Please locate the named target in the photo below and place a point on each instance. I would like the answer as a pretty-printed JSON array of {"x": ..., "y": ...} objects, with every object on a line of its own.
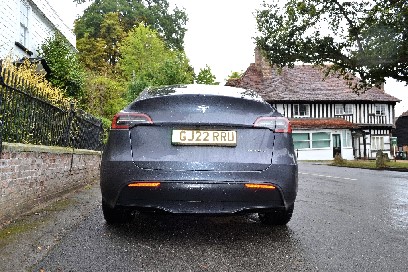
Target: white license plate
[{"x": 204, "y": 137}]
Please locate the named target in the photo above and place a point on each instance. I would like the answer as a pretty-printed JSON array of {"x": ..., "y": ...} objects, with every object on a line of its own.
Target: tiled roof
[
  {"x": 303, "y": 83},
  {"x": 310, "y": 123}
]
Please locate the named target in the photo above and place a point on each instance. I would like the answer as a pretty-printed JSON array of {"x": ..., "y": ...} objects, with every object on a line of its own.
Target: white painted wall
[
  {"x": 42, "y": 23},
  {"x": 9, "y": 26},
  {"x": 324, "y": 153},
  {"x": 51, "y": 14}
]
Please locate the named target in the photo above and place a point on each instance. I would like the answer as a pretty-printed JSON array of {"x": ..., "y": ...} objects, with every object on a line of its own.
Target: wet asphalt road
[{"x": 344, "y": 220}]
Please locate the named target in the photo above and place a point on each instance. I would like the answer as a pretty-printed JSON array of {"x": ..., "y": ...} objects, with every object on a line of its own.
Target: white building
[
  {"x": 25, "y": 24},
  {"x": 327, "y": 116}
]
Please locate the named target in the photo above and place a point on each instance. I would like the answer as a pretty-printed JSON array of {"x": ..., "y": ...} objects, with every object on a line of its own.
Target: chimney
[{"x": 262, "y": 64}]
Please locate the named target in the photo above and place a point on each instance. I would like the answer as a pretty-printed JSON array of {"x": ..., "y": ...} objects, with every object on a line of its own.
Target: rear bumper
[
  {"x": 200, "y": 197},
  {"x": 209, "y": 192}
]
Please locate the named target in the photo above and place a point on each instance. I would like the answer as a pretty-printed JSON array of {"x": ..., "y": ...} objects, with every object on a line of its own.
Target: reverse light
[
  {"x": 277, "y": 124},
  {"x": 123, "y": 120},
  {"x": 144, "y": 184}
]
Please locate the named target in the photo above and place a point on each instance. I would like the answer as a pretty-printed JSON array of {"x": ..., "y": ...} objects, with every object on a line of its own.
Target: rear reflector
[
  {"x": 144, "y": 184},
  {"x": 259, "y": 186},
  {"x": 277, "y": 124},
  {"x": 124, "y": 120}
]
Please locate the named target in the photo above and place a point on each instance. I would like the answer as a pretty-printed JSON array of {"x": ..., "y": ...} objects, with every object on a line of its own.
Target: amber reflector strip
[
  {"x": 144, "y": 184},
  {"x": 259, "y": 186}
]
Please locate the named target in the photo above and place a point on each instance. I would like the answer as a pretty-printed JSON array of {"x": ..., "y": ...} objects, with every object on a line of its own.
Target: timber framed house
[{"x": 327, "y": 117}]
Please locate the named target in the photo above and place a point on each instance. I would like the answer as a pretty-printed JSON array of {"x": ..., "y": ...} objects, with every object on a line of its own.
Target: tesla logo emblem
[{"x": 203, "y": 108}]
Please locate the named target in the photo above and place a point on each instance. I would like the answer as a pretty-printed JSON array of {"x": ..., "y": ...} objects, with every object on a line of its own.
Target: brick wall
[{"x": 30, "y": 175}]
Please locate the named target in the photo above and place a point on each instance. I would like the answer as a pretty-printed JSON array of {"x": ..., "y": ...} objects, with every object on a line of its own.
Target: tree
[
  {"x": 92, "y": 54},
  {"x": 175, "y": 69},
  {"x": 205, "y": 76},
  {"x": 102, "y": 53},
  {"x": 67, "y": 73},
  {"x": 103, "y": 96},
  {"x": 154, "y": 13},
  {"x": 147, "y": 61},
  {"x": 367, "y": 39}
]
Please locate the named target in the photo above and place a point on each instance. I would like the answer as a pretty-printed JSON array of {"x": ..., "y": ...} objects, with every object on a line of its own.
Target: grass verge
[{"x": 370, "y": 164}]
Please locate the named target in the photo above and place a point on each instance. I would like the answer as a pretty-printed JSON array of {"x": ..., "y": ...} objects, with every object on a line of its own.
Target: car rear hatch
[{"x": 210, "y": 133}]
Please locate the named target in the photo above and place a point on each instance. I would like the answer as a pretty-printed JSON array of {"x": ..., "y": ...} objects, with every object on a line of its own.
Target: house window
[
  {"x": 320, "y": 140},
  {"x": 302, "y": 110},
  {"x": 380, "y": 109},
  {"x": 347, "y": 138},
  {"x": 377, "y": 143},
  {"x": 342, "y": 109},
  {"x": 301, "y": 140},
  {"x": 24, "y": 9},
  {"x": 311, "y": 140}
]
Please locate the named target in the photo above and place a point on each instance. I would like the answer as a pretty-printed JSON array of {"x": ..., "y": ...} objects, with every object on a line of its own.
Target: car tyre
[
  {"x": 276, "y": 218},
  {"x": 116, "y": 215}
]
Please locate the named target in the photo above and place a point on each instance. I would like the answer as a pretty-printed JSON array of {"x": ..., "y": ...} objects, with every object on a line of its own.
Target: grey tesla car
[{"x": 199, "y": 149}]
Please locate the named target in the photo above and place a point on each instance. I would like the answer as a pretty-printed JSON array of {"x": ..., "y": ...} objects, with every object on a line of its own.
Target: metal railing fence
[{"x": 31, "y": 119}]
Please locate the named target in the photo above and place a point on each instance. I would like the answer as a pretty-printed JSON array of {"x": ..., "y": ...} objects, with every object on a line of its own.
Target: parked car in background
[
  {"x": 401, "y": 155},
  {"x": 199, "y": 149}
]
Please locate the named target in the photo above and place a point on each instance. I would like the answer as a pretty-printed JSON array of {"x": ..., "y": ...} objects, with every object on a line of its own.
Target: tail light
[
  {"x": 124, "y": 120},
  {"x": 277, "y": 124}
]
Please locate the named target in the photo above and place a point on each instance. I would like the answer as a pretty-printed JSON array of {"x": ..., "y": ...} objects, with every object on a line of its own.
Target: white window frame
[
  {"x": 24, "y": 23},
  {"x": 325, "y": 140},
  {"x": 339, "y": 109},
  {"x": 344, "y": 109},
  {"x": 298, "y": 113},
  {"x": 380, "y": 109},
  {"x": 310, "y": 140},
  {"x": 347, "y": 139},
  {"x": 349, "y": 109},
  {"x": 303, "y": 141},
  {"x": 377, "y": 142}
]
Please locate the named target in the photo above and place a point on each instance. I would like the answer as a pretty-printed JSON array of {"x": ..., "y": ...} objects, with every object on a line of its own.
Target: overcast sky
[{"x": 220, "y": 33}]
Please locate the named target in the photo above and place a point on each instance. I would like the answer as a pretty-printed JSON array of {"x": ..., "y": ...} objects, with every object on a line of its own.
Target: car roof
[{"x": 199, "y": 89}]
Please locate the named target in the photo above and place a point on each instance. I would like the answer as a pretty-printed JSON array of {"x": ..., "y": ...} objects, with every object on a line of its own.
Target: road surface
[{"x": 344, "y": 220}]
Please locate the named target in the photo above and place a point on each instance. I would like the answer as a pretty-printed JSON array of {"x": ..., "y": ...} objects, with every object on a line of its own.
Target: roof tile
[
  {"x": 310, "y": 123},
  {"x": 404, "y": 114},
  {"x": 303, "y": 83}
]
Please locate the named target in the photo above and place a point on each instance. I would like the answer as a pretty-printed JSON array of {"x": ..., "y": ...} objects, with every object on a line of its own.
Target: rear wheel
[
  {"x": 276, "y": 218},
  {"x": 116, "y": 215}
]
